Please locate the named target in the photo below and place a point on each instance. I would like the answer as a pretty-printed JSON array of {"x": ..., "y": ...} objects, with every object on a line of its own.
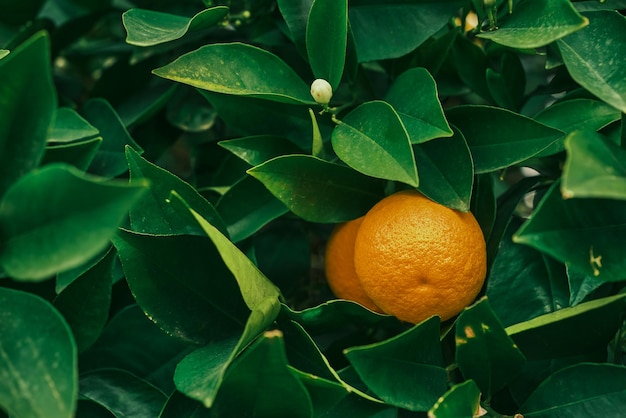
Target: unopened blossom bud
[{"x": 321, "y": 91}]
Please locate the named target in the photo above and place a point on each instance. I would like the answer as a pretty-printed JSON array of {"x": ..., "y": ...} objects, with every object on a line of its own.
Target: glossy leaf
[
  {"x": 200, "y": 374},
  {"x": 595, "y": 58},
  {"x": 507, "y": 86},
  {"x": 498, "y": 138},
  {"x": 179, "y": 405},
  {"x": 406, "y": 370},
  {"x": 259, "y": 383},
  {"x": 70, "y": 126},
  {"x": 85, "y": 302},
  {"x": 39, "y": 367},
  {"x": 325, "y": 394},
  {"x": 79, "y": 220},
  {"x": 536, "y": 24},
  {"x": 123, "y": 394},
  {"x": 573, "y": 231},
  {"x": 79, "y": 153},
  {"x": 326, "y": 39},
  {"x": 256, "y": 150},
  {"x": 296, "y": 14},
  {"x": 303, "y": 353},
  {"x": 27, "y": 105},
  {"x": 238, "y": 69},
  {"x": 484, "y": 352},
  {"x": 413, "y": 95},
  {"x": 446, "y": 171},
  {"x": 153, "y": 213},
  {"x": 568, "y": 392},
  {"x": 110, "y": 160},
  {"x": 461, "y": 400},
  {"x": 372, "y": 140},
  {"x": 595, "y": 167},
  {"x": 413, "y": 22},
  {"x": 583, "y": 329},
  {"x": 182, "y": 285},
  {"x": 149, "y": 27},
  {"x": 317, "y": 190},
  {"x": 248, "y": 206},
  {"x": 4, "y": 53}
]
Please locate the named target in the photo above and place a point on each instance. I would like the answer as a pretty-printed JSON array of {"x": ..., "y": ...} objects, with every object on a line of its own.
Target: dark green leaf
[
  {"x": 148, "y": 27},
  {"x": 110, "y": 160},
  {"x": 182, "y": 285},
  {"x": 462, "y": 400},
  {"x": 179, "y": 405},
  {"x": 484, "y": 352},
  {"x": 248, "y": 206},
  {"x": 123, "y": 394},
  {"x": 260, "y": 384},
  {"x": 595, "y": 167},
  {"x": 414, "y": 96},
  {"x": 38, "y": 367},
  {"x": 89, "y": 409},
  {"x": 317, "y": 190},
  {"x": 568, "y": 392},
  {"x": 47, "y": 229},
  {"x": 256, "y": 150},
  {"x": 69, "y": 126},
  {"x": 406, "y": 370},
  {"x": 238, "y": 69},
  {"x": 17, "y": 13},
  {"x": 296, "y": 14},
  {"x": 326, "y": 39},
  {"x": 303, "y": 353},
  {"x": 27, "y": 105},
  {"x": 79, "y": 153},
  {"x": 574, "y": 232},
  {"x": 325, "y": 394},
  {"x": 153, "y": 213},
  {"x": 537, "y": 23},
  {"x": 583, "y": 329},
  {"x": 596, "y": 58},
  {"x": 389, "y": 29},
  {"x": 85, "y": 302},
  {"x": 498, "y": 138},
  {"x": 508, "y": 84},
  {"x": 372, "y": 140},
  {"x": 446, "y": 171},
  {"x": 471, "y": 63}
]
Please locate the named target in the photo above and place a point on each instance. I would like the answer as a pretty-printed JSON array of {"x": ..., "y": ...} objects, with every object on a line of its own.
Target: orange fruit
[
  {"x": 339, "y": 264},
  {"x": 416, "y": 258}
]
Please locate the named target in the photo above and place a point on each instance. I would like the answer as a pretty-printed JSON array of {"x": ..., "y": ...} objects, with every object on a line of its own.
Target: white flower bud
[{"x": 321, "y": 91}]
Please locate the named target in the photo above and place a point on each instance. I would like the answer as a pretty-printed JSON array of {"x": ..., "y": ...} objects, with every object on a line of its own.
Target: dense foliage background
[{"x": 167, "y": 184}]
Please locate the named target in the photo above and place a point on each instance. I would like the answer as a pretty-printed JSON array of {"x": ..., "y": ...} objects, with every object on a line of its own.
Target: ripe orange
[
  {"x": 339, "y": 260},
  {"x": 416, "y": 258}
]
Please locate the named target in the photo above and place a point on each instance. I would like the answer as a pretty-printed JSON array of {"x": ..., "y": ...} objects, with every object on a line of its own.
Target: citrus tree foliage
[{"x": 167, "y": 185}]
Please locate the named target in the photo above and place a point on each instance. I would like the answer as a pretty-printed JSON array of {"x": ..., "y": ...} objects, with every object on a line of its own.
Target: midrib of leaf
[{"x": 424, "y": 121}]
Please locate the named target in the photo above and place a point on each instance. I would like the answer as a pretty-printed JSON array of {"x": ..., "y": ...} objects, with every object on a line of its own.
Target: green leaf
[
  {"x": 85, "y": 302},
  {"x": 462, "y": 400},
  {"x": 248, "y": 206},
  {"x": 413, "y": 95},
  {"x": 27, "y": 105},
  {"x": 325, "y": 394},
  {"x": 122, "y": 393},
  {"x": 79, "y": 153},
  {"x": 168, "y": 276},
  {"x": 574, "y": 232},
  {"x": 4, "y": 53},
  {"x": 317, "y": 144},
  {"x": 446, "y": 171},
  {"x": 568, "y": 392},
  {"x": 148, "y": 27},
  {"x": 406, "y": 370},
  {"x": 238, "y": 69},
  {"x": 507, "y": 86},
  {"x": 200, "y": 374},
  {"x": 389, "y": 29},
  {"x": 594, "y": 168},
  {"x": 38, "y": 367},
  {"x": 583, "y": 329},
  {"x": 153, "y": 213},
  {"x": 179, "y": 405},
  {"x": 537, "y": 23},
  {"x": 47, "y": 228},
  {"x": 326, "y": 39},
  {"x": 372, "y": 140},
  {"x": 259, "y": 383},
  {"x": 484, "y": 352},
  {"x": 596, "y": 58},
  {"x": 110, "y": 161},
  {"x": 69, "y": 126},
  {"x": 296, "y": 14},
  {"x": 316, "y": 190},
  {"x": 499, "y": 138},
  {"x": 257, "y": 149}
]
